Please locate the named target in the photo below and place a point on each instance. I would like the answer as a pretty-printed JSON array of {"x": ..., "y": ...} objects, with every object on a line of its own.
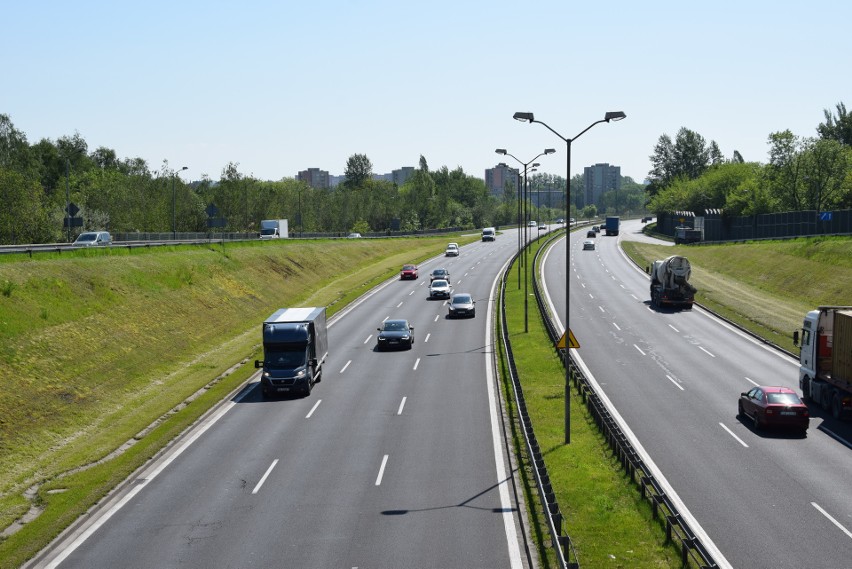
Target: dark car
[
  {"x": 596, "y": 228},
  {"x": 462, "y": 304},
  {"x": 408, "y": 272},
  {"x": 769, "y": 406},
  {"x": 395, "y": 334},
  {"x": 591, "y": 233},
  {"x": 440, "y": 274}
]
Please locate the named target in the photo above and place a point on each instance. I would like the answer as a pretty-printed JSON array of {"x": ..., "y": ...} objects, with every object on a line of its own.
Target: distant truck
[
  {"x": 274, "y": 229},
  {"x": 670, "y": 282},
  {"x": 295, "y": 346},
  {"x": 686, "y": 234},
  {"x": 489, "y": 234},
  {"x": 611, "y": 225},
  {"x": 825, "y": 358}
]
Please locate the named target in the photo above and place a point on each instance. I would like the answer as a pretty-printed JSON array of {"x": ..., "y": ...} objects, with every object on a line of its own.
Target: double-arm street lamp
[
  {"x": 174, "y": 203},
  {"x": 524, "y": 228},
  {"x": 528, "y": 117}
]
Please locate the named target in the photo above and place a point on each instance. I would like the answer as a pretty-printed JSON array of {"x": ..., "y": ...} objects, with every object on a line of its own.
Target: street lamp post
[
  {"x": 528, "y": 117},
  {"x": 174, "y": 203},
  {"x": 525, "y": 226}
]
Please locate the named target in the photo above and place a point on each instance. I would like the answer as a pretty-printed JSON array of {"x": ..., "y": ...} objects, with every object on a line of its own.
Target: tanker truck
[
  {"x": 825, "y": 358},
  {"x": 670, "y": 282}
]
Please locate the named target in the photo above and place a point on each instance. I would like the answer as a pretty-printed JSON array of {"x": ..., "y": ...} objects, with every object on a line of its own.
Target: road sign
[
  {"x": 572, "y": 341},
  {"x": 825, "y": 216},
  {"x": 73, "y": 222},
  {"x": 72, "y": 210}
]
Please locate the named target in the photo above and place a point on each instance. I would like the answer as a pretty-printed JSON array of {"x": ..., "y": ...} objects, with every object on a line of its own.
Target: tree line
[{"x": 801, "y": 174}]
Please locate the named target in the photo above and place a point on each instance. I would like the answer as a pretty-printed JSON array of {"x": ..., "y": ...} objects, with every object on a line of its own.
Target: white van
[
  {"x": 489, "y": 234},
  {"x": 93, "y": 239}
]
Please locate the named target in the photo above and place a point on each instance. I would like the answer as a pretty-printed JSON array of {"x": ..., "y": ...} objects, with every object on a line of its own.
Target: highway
[
  {"x": 763, "y": 499},
  {"x": 396, "y": 459}
]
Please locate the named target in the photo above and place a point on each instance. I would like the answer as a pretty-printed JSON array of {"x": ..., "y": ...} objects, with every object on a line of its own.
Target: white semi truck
[{"x": 825, "y": 358}]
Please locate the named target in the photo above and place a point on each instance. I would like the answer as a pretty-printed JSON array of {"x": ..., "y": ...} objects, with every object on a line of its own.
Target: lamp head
[
  {"x": 549, "y": 150},
  {"x": 501, "y": 151},
  {"x": 536, "y": 164},
  {"x": 523, "y": 117},
  {"x": 614, "y": 116}
]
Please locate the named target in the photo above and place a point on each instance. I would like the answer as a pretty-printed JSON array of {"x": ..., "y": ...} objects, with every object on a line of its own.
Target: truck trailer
[
  {"x": 670, "y": 282},
  {"x": 295, "y": 346},
  {"x": 274, "y": 229},
  {"x": 611, "y": 224},
  {"x": 825, "y": 359}
]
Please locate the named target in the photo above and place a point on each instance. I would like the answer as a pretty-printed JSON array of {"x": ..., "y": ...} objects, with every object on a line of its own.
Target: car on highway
[
  {"x": 560, "y": 220},
  {"x": 439, "y": 274},
  {"x": 542, "y": 227},
  {"x": 452, "y": 250},
  {"x": 591, "y": 233},
  {"x": 440, "y": 288},
  {"x": 596, "y": 228},
  {"x": 354, "y": 236},
  {"x": 774, "y": 406},
  {"x": 532, "y": 224},
  {"x": 408, "y": 272},
  {"x": 93, "y": 239},
  {"x": 588, "y": 245},
  {"x": 396, "y": 333},
  {"x": 462, "y": 304}
]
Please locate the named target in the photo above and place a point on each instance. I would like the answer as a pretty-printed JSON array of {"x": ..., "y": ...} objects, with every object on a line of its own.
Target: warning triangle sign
[{"x": 572, "y": 341}]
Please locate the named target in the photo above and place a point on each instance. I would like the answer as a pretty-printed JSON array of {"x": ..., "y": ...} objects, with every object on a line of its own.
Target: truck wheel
[
  {"x": 836, "y": 406},
  {"x": 806, "y": 389}
]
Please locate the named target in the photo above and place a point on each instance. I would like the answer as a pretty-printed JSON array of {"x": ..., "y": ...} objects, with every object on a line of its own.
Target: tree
[
  {"x": 689, "y": 156},
  {"x": 837, "y": 128},
  {"x": 358, "y": 170}
]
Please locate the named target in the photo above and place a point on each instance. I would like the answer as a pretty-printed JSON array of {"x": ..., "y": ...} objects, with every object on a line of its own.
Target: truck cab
[{"x": 295, "y": 345}]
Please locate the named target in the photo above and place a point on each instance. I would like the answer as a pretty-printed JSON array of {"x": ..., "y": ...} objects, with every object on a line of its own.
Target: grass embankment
[
  {"x": 101, "y": 350},
  {"x": 766, "y": 287}
]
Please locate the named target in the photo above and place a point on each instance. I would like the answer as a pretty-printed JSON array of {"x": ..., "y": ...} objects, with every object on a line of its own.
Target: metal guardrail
[
  {"x": 560, "y": 540},
  {"x": 692, "y": 550}
]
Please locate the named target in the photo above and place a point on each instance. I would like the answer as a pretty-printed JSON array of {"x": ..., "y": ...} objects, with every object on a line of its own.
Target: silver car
[
  {"x": 439, "y": 288},
  {"x": 93, "y": 239}
]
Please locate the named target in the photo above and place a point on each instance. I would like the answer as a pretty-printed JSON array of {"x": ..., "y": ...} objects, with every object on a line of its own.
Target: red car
[
  {"x": 774, "y": 406},
  {"x": 408, "y": 272}
]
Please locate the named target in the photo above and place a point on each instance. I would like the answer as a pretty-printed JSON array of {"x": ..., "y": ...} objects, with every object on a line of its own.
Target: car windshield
[
  {"x": 395, "y": 325},
  {"x": 439, "y": 272},
  {"x": 461, "y": 299},
  {"x": 783, "y": 399},
  {"x": 87, "y": 237},
  {"x": 408, "y": 267},
  {"x": 438, "y": 283},
  {"x": 283, "y": 358}
]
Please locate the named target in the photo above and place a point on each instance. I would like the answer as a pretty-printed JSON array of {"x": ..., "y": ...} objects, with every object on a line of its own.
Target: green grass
[{"x": 95, "y": 346}]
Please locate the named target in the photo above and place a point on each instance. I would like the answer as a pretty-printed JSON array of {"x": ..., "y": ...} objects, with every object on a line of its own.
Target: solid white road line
[{"x": 263, "y": 478}]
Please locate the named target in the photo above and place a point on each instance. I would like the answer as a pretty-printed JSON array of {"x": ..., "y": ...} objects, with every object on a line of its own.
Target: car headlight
[
  {"x": 301, "y": 373},
  {"x": 406, "y": 337},
  {"x": 266, "y": 374}
]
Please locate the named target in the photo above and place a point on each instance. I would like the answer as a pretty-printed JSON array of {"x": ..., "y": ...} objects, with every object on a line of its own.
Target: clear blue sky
[{"x": 281, "y": 86}]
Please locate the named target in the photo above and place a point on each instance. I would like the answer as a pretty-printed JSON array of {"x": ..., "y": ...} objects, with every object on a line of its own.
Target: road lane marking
[
  {"x": 314, "y": 408},
  {"x": 673, "y": 328},
  {"x": 346, "y": 366},
  {"x": 417, "y": 363},
  {"x": 401, "y": 405},
  {"x": 617, "y": 327},
  {"x": 832, "y": 520},
  {"x": 263, "y": 478},
  {"x": 601, "y": 308},
  {"x": 398, "y": 305},
  {"x": 678, "y": 385},
  {"x": 370, "y": 337},
  {"x": 381, "y": 470},
  {"x": 640, "y": 350},
  {"x": 706, "y": 352},
  {"x": 730, "y": 432},
  {"x": 427, "y": 337},
  {"x": 410, "y": 293},
  {"x": 753, "y": 382},
  {"x": 436, "y": 317}
]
